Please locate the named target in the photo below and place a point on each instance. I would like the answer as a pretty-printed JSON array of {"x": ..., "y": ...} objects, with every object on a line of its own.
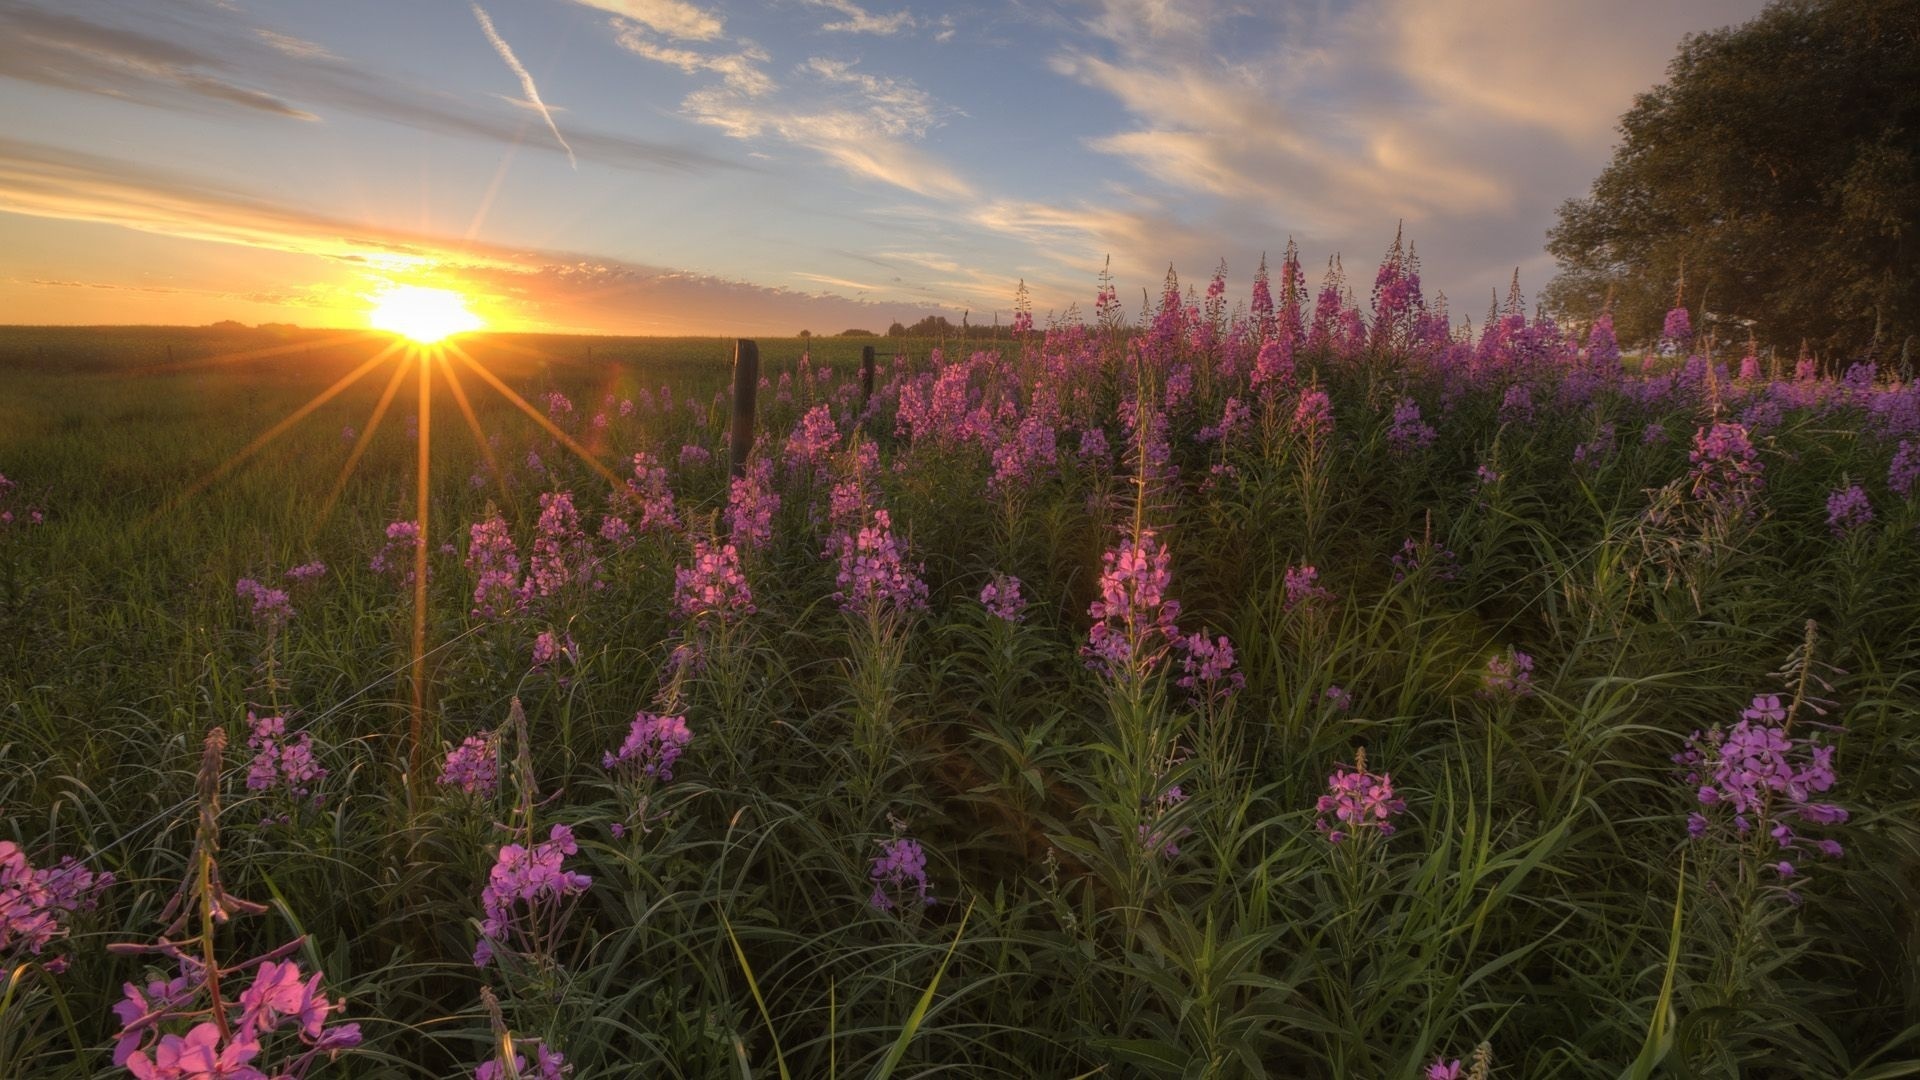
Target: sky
[{"x": 723, "y": 167}]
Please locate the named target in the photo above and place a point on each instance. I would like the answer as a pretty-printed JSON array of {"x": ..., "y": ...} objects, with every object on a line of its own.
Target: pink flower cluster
[
  {"x": 270, "y": 608},
  {"x": 649, "y": 493},
  {"x": 1848, "y": 509},
  {"x": 751, "y": 504},
  {"x": 1207, "y": 669},
  {"x": 1903, "y": 472},
  {"x": 528, "y": 897},
  {"x": 1409, "y": 432},
  {"x": 1304, "y": 591},
  {"x": 1134, "y": 621},
  {"x": 874, "y": 574},
  {"x": 473, "y": 767},
  {"x": 550, "y": 648},
  {"x": 813, "y": 440},
  {"x": 395, "y": 559},
  {"x": 1726, "y": 468},
  {"x": 1357, "y": 802},
  {"x": 495, "y": 565},
  {"x": 36, "y": 904},
  {"x": 1509, "y": 675},
  {"x": 307, "y": 573},
  {"x": 1002, "y": 598},
  {"x": 653, "y": 743},
  {"x": 714, "y": 584},
  {"x": 1313, "y": 416},
  {"x": 281, "y": 763},
  {"x": 1760, "y": 777},
  {"x": 279, "y": 995},
  {"x": 898, "y": 871},
  {"x": 562, "y": 556}
]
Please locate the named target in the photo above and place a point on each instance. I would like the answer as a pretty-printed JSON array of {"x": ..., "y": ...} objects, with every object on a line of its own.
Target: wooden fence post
[
  {"x": 866, "y": 377},
  {"x": 746, "y": 386}
]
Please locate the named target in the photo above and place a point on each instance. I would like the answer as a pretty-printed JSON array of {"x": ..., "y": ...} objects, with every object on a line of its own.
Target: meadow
[{"x": 1262, "y": 686}]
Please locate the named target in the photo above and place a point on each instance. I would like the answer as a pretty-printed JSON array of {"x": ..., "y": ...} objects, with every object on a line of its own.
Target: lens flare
[{"x": 423, "y": 314}]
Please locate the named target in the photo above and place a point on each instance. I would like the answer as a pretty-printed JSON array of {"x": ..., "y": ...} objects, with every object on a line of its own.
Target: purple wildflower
[
  {"x": 1904, "y": 471},
  {"x": 307, "y": 572},
  {"x": 1848, "y": 509},
  {"x": 550, "y": 648},
  {"x": 495, "y": 565},
  {"x": 714, "y": 584},
  {"x": 1726, "y": 469},
  {"x": 270, "y": 608},
  {"x": 1338, "y": 698},
  {"x": 1304, "y": 590},
  {"x": 653, "y": 743},
  {"x": 649, "y": 492},
  {"x": 873, "y": 572},
  {"x": 473, "y": 767},
  {"x": 751, "y": 504},
  {"x": 1313, "y": 417},
  {"x": 395, "y": 559},
  {"x": 1207, "y": 668},
  {"x": 35, "y": 904},
  {"x": 1133, "y": 618},
  {"x": 1759, "y": 777},
  {"x": 528, "y": 897},
  {"x": 900, "y": 867},
  {"x": 1357, "y": 802},
  {"x": 1003, "y": 599},
  {"x": 281, "y": 762},
  {"x": 1509, "y": 675},
  {"x": 1409, "y": 432},
  {"x": 562, "y": 555}
]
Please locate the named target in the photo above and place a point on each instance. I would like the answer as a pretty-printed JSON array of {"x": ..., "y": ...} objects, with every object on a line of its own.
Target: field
[{"x": 1297, "y": 693}]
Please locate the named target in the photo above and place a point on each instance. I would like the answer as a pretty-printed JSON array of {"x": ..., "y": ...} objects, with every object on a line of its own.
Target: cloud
[
  {"x": 865, "y": 124},
  {"x": 739, "y": 71},
  {"x": 543, "y": 289},
  {"x": 674, "y": 18},
  {"x": 298, "y": 48},
  {"x": 214, "y": 74},
  {"x": 1336, "y": 122},
  {"x": 71, "y": 53},
  {"x": 526, "y": 80},
  {"x": 858, "y": 20}
]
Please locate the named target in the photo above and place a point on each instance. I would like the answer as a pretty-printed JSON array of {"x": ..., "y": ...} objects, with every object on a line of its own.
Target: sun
[{"x": 423, "y": 314}]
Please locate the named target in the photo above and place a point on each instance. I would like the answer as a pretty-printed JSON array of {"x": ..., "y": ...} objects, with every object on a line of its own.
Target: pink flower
[
  {"x": 1001, "y": 596},
  {"x": 1357, "y": 801},
  {"x": 1133, "y": 618}
]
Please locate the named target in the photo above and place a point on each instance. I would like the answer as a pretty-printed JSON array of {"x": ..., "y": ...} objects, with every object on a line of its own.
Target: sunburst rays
[{"x": 421, "y": 359}]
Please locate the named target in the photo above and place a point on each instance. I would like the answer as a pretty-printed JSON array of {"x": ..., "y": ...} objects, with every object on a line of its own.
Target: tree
[{"x": 1776, "y": 172}]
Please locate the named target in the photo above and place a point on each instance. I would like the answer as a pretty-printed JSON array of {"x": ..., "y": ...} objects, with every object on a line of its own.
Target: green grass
[{"x": 1541, "y": 894}]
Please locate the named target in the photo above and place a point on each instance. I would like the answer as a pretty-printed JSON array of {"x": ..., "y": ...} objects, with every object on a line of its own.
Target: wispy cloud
[
  {"x": 526, "y": 79},
  {"x": 739, "y": 71},
  {"x": 230, "y": 69},
  {"x": 71, "y": 53},
  {"x": 298, "y": 48},
  {"x": 674, "y": 18},
  {"x": 865, "y": 124},
  {"x": 858, "y": 20}
]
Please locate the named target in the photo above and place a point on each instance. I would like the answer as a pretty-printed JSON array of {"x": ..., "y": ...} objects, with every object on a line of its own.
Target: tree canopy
[{"x": 1776, "y": 172}]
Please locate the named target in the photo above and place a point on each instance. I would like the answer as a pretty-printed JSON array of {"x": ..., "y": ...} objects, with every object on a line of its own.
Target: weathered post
[
  {"x": 746, "y": 385},
  {"x": 866, "y": 377}
]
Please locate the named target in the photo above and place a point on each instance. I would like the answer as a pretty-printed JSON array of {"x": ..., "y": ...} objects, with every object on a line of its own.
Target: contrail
[{"x": 526, "y": 81}]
